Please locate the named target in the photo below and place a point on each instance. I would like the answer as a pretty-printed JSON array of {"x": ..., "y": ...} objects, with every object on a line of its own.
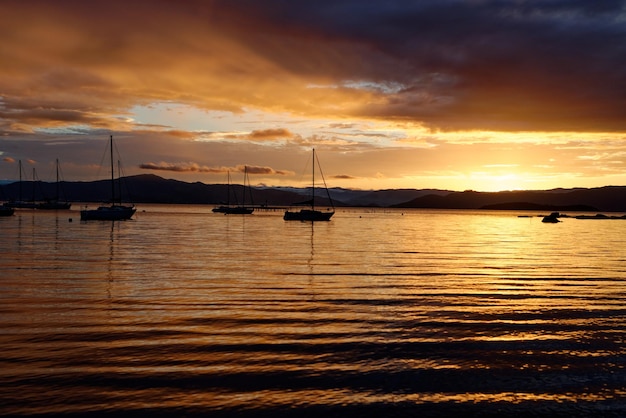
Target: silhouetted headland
[{"x": 149, "y": 188}]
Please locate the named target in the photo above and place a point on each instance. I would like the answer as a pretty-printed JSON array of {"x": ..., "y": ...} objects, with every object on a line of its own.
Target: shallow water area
[{"x": 183, "y": 312}]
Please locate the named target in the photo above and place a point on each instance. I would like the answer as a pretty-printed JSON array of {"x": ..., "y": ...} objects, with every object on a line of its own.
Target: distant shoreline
[{"x": 150, "y": 188}]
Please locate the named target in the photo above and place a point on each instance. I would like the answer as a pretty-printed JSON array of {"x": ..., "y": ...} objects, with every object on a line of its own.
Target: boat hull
[
  {"x": 233, "y": 210},
  {"x": 21, "y": 205},
  {"x": 6, "y": 211},
  {"x": 108, "y": 213},
  {"x": 52, "y": 205},
  {"x": 308, "y": 215}
]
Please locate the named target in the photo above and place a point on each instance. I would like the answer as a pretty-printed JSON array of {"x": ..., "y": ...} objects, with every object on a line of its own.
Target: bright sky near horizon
[{"x": 477, "y": 94}]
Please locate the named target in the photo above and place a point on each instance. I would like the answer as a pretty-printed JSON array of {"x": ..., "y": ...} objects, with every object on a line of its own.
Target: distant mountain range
[{"x": 149, "y": 188}]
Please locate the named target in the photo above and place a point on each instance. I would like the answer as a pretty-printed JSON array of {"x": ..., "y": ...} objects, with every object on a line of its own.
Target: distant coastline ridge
[{"x": 150, "y": 188}]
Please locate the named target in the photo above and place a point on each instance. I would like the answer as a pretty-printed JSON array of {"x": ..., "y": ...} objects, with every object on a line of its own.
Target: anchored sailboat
[
  {"x": 55, "y": 203},
  {"x": 312, "y": 214},
  {"x": 114, "y": 212},
  {"x": 20, "y": 203},
  {"x": 237, "y": 209}
]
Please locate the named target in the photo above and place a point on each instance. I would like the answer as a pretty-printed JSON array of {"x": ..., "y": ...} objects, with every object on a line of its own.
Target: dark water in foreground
[{"x": 384, "y": 313}]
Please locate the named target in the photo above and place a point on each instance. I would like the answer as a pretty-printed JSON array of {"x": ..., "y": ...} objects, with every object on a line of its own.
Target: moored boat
[
  {"x": 108, "y": 213},
  {"x": 21, "y": 203},
  {"x": 237, "y": 209},
  {"x": 552, "y": 218},
  {"x": 6, "y": 211},
  {"x": 55, "y": 203},
  {"x": 312, "y": 214},
  {"x": 116, "y": 211}
]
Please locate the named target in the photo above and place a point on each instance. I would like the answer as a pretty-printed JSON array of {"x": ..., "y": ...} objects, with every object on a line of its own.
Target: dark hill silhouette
[
  {"x": 610, "y": 198},
  {"x": 150, "y": 188},
  {"x": 540, "y": 207}
]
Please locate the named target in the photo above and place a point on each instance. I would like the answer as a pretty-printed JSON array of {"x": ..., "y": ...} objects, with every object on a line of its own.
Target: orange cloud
[
  {"x": 69, "y": 62},
  {"x": 270, "y": 134},
  {"x": 251, "y": 169},
  {"x": 196, "y": 168},
  {"x": 8, "y": 159},
  {"x": 182, "y": 167}
]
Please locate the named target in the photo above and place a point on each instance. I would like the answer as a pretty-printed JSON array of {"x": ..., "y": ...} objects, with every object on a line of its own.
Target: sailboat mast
[
  {"x": 245, "y": 175},
  {"x": 313, "y": 185},
  {"x": 57, "y": 185},
  {"x": 228, "y": 189},
  {"x": 246, "y": 178},
  {"x": 112, "y": 174},
  {"x": 20, "y": 183},
  {"x": 34, "y": 175}
]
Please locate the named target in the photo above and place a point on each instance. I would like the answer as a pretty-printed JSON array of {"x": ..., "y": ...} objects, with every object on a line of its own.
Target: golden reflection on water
[{"x": 247, "y": 313}]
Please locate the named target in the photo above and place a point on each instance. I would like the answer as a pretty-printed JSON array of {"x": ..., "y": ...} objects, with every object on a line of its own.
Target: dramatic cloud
[
  {"x": 196, "y": 168},
  {"x": 219, "y": 82},
  {"x": 181, "y": 167},
  {"x": 447, "y": 64},
  {"x": 263, "y": 135},
  {"x": 262, "y": 170},
  {"x": 454, "y": 64},
  {"x": 271, "y": 134}
]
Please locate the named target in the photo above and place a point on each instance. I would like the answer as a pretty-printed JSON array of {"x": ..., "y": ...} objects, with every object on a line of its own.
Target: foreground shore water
[{"x": 182, "y": 312}]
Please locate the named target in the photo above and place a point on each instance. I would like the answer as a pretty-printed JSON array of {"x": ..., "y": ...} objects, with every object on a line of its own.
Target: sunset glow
[{"x": 398, "y": 94}]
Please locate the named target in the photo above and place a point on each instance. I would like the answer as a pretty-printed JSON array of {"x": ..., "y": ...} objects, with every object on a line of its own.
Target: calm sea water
[{"x": 182, "y": 312}]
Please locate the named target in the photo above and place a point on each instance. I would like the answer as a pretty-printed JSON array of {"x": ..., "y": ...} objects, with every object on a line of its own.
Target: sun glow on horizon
[{"x": 359, "y": 153}]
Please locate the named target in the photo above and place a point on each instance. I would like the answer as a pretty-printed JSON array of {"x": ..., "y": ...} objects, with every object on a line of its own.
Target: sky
[{"x": 485, "y": 95}]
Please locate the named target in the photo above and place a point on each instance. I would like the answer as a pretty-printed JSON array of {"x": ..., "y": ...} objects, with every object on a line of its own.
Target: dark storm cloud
[
  {"x": 466, "y": 64},
  {"x": 481, "y": 64}
]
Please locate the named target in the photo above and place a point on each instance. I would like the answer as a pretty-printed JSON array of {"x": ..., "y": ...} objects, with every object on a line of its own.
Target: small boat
[
  {"x": 108, "y": 213},
  {"x": 6, "y": 211},
  {"x": 20, "y": 203},
  {"x": 308, "y": 215},
  {"x": 114, "y": 212},
  {"x": 236, "y": 210},
  {"x": 55, "y": 203},
  {"x": 312, "y": 215},
  {"x": 552, "y": 218}
]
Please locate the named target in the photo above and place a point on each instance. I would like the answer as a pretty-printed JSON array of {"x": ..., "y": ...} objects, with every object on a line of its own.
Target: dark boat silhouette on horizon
[
  {"x": 55, "y": 203},
  {"x": 116, "y": 211},
  {"x": 242, "y": 209},
  {"x": 312, "y": 215}
]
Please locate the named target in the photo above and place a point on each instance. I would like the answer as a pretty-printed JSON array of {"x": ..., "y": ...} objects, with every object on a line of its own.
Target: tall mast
[
  {"x": 112, "y": 174},
  {"x": 313, "y": 185},
  {"x": 57, "y": 186},
  {"x": 20, "y": 183},
  {"x": 33, "y": 185}
]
